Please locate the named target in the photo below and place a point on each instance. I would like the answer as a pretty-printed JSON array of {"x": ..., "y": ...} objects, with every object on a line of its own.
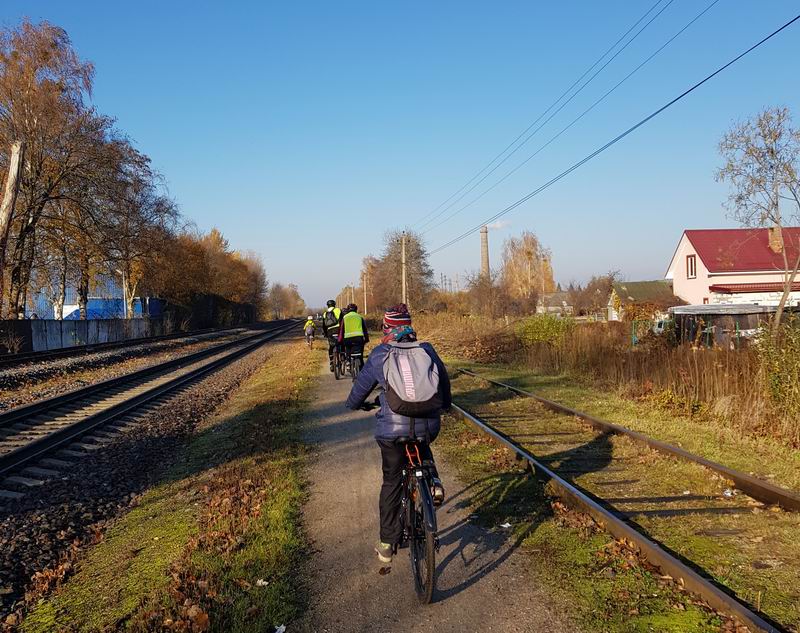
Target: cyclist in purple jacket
[{"x": 391, "y": 426}]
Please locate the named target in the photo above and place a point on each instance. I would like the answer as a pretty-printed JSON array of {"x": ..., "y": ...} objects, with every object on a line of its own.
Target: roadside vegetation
[
  {"x": 218, "y": 544},
  {"x": 754, "y": 390}
]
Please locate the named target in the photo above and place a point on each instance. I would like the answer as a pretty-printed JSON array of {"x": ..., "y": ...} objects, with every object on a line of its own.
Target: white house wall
[{"x": 760, "y": 298}]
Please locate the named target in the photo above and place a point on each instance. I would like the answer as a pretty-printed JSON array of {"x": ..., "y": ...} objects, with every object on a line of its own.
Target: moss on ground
[
  {"x": 606, "y": 587},
  {"x": 218, "y": 544}
]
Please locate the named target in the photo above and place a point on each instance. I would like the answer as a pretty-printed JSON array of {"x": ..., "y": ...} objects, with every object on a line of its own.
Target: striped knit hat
[{"x": 396, "y": 316}]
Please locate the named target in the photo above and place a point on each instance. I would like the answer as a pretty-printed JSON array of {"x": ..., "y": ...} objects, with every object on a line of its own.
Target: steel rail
[
  {"x": 21, "y": 413},
  {"x": 11, "y": 360},
  {"x": 17, "y": 458},
  {"x": 754, "y": 486},
  {"x": 617, "y": 527}
]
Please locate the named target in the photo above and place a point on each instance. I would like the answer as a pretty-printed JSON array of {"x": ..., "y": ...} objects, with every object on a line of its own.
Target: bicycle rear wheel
[
  {"x": 337, "y": 365},
  {"x": 355, "y": 366},
  {"x": 422, "y": 549}
]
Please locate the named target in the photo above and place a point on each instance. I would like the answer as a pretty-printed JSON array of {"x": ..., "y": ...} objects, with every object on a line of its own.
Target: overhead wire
[
  {"x": 546, "y": 121},
  {"x": 574, "y": 121},
  {"x": 552, "y": 105},
  {"x": 617, "y": 138}
]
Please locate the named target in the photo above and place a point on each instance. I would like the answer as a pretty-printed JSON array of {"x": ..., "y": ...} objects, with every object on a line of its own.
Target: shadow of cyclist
[{"x": 476, "y": 544}]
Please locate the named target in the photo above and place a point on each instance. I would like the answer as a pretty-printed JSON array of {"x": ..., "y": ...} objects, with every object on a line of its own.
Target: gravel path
[{"x": 484, "y": 584}]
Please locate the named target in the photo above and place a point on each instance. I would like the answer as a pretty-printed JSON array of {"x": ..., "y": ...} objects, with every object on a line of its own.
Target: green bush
[
  {"x": 780, "y": 368},
  {"x": 544, "y": 328}
]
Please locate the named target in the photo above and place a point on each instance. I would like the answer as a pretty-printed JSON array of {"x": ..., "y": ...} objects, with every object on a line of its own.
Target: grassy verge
[
  {"x": 743, "y": 544},
  {"x": 218, "y": 544},
  {"x": 762, "y": 456},
  {"x": 606, "y": 586}
]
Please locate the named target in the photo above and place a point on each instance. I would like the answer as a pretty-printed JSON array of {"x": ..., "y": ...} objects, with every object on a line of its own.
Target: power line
[
  {"x": 552, "y": 105},
  {"x": 616, "y": 139},
  {"x": 491, "y": 169},
  {"x": 574, "y": 121}
]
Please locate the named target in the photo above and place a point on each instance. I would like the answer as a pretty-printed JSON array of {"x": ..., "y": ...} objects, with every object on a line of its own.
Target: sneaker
[
  {"x": 384, "y": 552},
  {"x": 437, "y": 490},
  {"x": 331, "y": 365}
]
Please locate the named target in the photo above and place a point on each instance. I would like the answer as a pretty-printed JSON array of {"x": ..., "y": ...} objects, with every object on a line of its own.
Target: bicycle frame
[{"x": 417, "y": 480}]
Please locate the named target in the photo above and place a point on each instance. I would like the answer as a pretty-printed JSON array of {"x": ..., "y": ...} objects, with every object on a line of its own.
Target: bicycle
[
  {"x": 339, "y": 362},
  {"x": 419, "y": 530},
  {"x": 355, "y": 363},
  {"x": 418, "y": 515}
]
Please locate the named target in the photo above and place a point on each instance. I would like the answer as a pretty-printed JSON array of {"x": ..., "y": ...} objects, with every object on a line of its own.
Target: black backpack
[{"x": 330, "y": 320}]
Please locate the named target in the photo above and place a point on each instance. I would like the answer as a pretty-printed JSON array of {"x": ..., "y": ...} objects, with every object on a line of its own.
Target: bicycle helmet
[
  {"x": 331, "y": 303},
  {"x": 310, "y": 318},
  {"x": 352, "y": 307}
]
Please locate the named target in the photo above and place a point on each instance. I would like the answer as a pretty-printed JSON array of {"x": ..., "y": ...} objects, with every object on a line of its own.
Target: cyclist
[
  {"x": 330, "y": 327},
  {"x": 353, "y": 334},
  {"x": 310, "y": 328},
  {"x": 390, "y": 426}
]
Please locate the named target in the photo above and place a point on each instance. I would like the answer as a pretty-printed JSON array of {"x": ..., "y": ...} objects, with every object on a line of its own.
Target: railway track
[
  {"x": 722, "y": 534},
  {"x": 22, "y": 358},
  {"x": 39, "y": 439}
]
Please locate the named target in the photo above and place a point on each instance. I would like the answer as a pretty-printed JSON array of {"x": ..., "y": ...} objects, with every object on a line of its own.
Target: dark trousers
[
  {"x": 354, "y": 346},
  {"x": 332, "y": 343},
  {"x": 394, "y": 458}
]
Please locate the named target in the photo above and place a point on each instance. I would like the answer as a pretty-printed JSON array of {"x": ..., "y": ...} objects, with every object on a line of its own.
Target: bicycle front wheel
[{"x": 422, "y": 549}]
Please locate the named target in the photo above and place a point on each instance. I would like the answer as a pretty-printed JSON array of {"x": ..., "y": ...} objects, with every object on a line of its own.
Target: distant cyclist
[
  {"x": 330, "y": 327},
  {"x": 353, "y": 334},
  {"x": 310, "y": 328},
  {"x": 420, "y": 365}
]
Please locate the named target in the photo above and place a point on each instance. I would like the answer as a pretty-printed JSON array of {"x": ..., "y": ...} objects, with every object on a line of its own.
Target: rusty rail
[
  {"x": 617, "y": 527},
  {"x": 754, "y": 486}
]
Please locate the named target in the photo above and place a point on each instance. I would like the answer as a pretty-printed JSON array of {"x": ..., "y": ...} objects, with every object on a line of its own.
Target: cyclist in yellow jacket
[
  {"x": 309, "y": 329},
  {"x": 353, "y": 334}
]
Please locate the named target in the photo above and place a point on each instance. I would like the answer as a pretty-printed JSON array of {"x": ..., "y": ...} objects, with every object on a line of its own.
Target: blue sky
[{"x": 305, "y": 130}]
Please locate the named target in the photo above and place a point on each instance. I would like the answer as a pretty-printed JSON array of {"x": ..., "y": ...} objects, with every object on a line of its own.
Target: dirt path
[{"x": 483, "y": 584}]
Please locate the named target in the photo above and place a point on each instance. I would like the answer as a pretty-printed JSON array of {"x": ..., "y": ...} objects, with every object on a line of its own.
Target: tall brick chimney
[
  {"x": 485, "y": 252},
  {"x": 775, "y": 239}
]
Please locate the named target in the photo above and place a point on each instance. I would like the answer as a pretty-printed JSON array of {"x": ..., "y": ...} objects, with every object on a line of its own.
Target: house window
[
  {"x": 691, "y": 266},
  {"x": 705, "y": 300}
]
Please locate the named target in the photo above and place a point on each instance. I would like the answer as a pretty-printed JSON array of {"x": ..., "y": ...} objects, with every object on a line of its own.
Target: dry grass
[{"x": 748, "y": 388}]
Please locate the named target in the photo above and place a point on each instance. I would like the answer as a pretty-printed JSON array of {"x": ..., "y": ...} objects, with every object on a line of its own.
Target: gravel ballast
[{"x": 42, "y": 534}]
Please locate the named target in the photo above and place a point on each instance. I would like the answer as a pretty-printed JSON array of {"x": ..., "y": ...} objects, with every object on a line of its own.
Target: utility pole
[
  {"x": 403, "y": 249},
  {"x": 364, "y": 285}
]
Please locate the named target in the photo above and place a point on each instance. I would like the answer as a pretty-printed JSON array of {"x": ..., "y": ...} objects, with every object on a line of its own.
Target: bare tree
[{"x": 761, "y": 164}]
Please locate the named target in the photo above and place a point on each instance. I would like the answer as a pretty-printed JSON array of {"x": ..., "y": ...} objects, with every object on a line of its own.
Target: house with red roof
[{"x": 734, "y": 265}]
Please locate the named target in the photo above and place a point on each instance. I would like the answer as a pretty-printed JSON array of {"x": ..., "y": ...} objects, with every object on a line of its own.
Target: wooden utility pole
[
  {"x": 364, "y": 275},
  {"x": 403, "y": 249},
  {"x": 7, "y": 206}
]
